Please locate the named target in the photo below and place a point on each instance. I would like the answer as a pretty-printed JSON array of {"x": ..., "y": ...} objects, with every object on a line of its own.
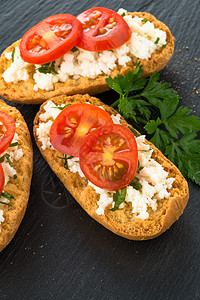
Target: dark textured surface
[{"x": 61, "y": 253}]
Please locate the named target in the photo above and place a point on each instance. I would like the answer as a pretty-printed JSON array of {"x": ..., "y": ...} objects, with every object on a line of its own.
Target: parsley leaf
[
  {"x": 135, "y": 183},
  {"x": 60, "y": 107},
  {"x": 157, "y": 40},
  {"x": 47, "y": 68},
  {"x": 155, "y": 104},
  {"x": 14, "y": 144},
  {"x": 13, "y": 54},
  {"x": 7, "y": 156},
  {"x": 119, "y": 198},
  {"x": 144, "y": 20},
  {"x": 66, "y": 162}
]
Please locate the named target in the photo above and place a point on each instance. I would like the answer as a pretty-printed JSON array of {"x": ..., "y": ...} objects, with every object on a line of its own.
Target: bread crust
[
  {"x": 19, "y": 187},
  {"x": 23, "y": 91},
  {"x": 122, "y": 222}
]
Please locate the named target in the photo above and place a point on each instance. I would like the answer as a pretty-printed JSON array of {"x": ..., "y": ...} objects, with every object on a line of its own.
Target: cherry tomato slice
[
  {"x": 109, "y": 157},
  {"x": 103, "y": 29},
  {"x": 73, "y": 124},
  {"x": 50, "y": 39},
  {"x": 7, "y": 130},
  {"x": 2, "y": 179}
]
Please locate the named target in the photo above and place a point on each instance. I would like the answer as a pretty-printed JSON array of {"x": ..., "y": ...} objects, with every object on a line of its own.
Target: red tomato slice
[
  {"x": 50, "y": 39},
  {"x": 109, "y": 157},
  {"x": 103, "y": 29},
  {"x": 2, "y": 179},
  {"x": 73, "y": 124},
  {"x": 7, "y": 130}
]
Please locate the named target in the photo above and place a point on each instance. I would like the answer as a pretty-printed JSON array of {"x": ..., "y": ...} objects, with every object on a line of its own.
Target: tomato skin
[
  {"x": 94, "y": 38},
  {"x": 73, "y": 124},
  {"x": 2, "y": 179},
  {"x": 51, "y": 35},
  {"x": 109, "y": 157},
  {"x": 6, "y": 137}
]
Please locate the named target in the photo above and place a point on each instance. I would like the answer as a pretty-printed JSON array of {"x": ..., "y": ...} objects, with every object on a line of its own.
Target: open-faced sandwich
[
  {"x": 16, "y": 164},
  {"x": 117, "y": 176},
  {"x": 67, "y": 55}
]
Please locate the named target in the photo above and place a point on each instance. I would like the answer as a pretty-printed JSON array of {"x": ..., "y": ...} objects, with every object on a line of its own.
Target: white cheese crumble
[
  {"x": 153, "y": 178},
  {"x": 15, "y": 153},
  {"x": 91, "y": 64}
]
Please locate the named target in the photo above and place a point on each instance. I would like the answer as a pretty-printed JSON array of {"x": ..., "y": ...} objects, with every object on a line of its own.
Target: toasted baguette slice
[
  {"x": 23, "y": 91},
  {"x": 19, "y": 187},
  {"x": 122, "y": 222}
]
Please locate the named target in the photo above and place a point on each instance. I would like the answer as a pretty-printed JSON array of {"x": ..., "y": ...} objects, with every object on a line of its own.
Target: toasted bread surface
[
  {"x": 19, "y": 187},
  {"x": 122, "y": 222},
  {"x": 23, "y": 91}
]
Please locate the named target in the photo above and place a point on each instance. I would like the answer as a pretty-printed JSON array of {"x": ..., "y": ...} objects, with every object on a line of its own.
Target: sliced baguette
[
  {"x": 23, "y": 91},
  {"x": 19, "y": 187},
  {"x": 122, "y": 222}
]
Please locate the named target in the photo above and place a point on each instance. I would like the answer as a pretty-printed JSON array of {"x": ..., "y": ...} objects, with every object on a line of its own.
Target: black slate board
[{"x": 59, "y": 252}]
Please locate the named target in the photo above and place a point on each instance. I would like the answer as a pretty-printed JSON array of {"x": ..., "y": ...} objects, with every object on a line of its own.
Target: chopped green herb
[
  {"x": 5, "y": 203},
  {"x": 123, "y": 14},
  {"x": 111, "y": 50},
  {"x": 13, "y": 54},
  {"x": 139, "y": 168},
  {"x": 157, "y": 40},
  {"x": 15, "y": 176},
  {"x": 164, "y": 46},
  {"x": 60, "y": 107},
  {"x": 14, "y": 144},
  {"x": 119, "y": 198},
  {"x": 135, "y": 183},
  {"x": 144, "y": 20},
  {"x": 7, "y": 156},
  {"x": 66, "y": 162},
  {"x": 134, "y": 131},
  {"x": 74, "y": 49},
  {"x": 145, "y": 150},
  {"x": 7, "y": 196},
  {"x": 47, "y": 68},
  {"x": 155, "y": 104}
]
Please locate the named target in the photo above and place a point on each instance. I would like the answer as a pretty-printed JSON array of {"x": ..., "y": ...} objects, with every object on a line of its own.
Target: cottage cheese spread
[
  {"x": 15, "y": 153},
  {"x": 153, "y": 177},
  {"x": 144, "y": 41}
]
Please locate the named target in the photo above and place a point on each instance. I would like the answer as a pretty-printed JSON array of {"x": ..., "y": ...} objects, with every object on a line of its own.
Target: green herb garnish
[
  {"x": 66, "y": 162},
  {"x": 60, "y": 107},
  {"x": 47, "y": 68},
  {"x": 139, "y": 168},
  {"x": 154, "y": 104},
  {"x": 14, "y": 144},
  {"x": 164, "y": 46},
  {"x": 15, "y": 176},
  {"x": 123, "y": 14},
  {"x": 5, "y": 203},
  {"x": 141, "y": 150},
  {"x": 74, "y": 49},
  {"x": 144, "y": 20},
  {"x": 7, "y": 156},
  {"x": 7, "y": 196},
  {"x": 111, "y": 50},
  {"x": 13, "y": 54},
  {"x": 119, "y": 198},
  {"x": 135, "y": 183},
  {"x": 134, "y": 131},
  {"x": 157, "y": 40}
]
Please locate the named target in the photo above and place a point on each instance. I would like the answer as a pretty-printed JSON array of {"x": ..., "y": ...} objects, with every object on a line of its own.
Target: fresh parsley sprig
[
  {"x": 47, "y": 68},
  {"x": 119, "y": 198},
  {"x": 65, "y": 160},
  {"x": 155, "y": 104},
  {"x": 6, "y": 156}
]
